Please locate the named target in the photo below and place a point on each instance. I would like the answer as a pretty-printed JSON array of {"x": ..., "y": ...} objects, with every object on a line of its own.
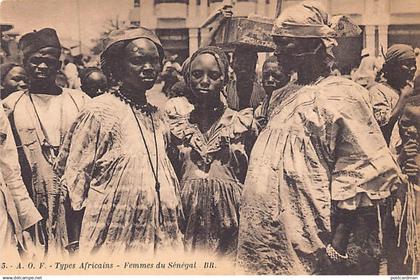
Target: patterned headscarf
[
  {"x": 398, "y": 53},
  {"x": 306, "y": 20},
  {"x": 221, "y": 60}
]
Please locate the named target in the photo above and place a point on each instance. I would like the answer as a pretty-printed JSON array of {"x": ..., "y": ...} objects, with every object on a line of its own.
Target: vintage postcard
[{"x": 210, "y": 137}]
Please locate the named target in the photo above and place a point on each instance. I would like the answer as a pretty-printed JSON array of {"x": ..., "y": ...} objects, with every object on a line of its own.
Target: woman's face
[
  {"x": 15, "y": 80},
  {"x": 408, "y": 69},
  {"x": 295, "y": 51},
  {"x": 141, "y": 64},
  {"x": 206, "y": 77},
  {"x": 401, "y": 73}
]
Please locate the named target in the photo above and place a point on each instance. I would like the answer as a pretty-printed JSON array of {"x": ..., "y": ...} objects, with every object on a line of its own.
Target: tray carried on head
[
  {"x": 345, "y": 27},
  {"x": 253, "y": 31}
]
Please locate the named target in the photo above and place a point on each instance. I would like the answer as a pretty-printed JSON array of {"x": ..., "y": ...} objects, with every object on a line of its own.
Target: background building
[{"x": 384, "y": 22}]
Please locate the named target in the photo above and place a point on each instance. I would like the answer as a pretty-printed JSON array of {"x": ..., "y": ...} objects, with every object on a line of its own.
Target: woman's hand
[
  {"x": 261, "y": 122},
  {"x": 408, "y": 153},
  {"x": 407, "y": 91},
  {"x": 27, "y": 248}
]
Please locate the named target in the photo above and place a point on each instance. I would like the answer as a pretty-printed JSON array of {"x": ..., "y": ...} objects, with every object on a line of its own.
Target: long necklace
[
  {"x": 148, "y": 110},
  {"x": 49, "y": 151}
]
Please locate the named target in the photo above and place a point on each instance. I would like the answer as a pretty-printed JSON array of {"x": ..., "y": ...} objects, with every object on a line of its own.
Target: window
[{"x": 136, "y": 3}]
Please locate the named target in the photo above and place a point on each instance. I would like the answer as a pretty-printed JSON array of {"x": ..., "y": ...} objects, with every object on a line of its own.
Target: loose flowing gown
[
  {"x": 211, "y": 167},
  {"x": 106, "y": 170},
  {"x": 321, "y": 145},
  {"x": 56, "y": 113},
  {"x": 17, "y": 211}
]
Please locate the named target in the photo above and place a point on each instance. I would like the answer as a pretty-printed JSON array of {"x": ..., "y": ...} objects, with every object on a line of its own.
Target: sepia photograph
[{"x": 210, "y": 137}]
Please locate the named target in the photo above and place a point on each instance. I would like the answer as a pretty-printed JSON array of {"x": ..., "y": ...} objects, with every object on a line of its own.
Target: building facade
[{"x": 384, "y": 22}]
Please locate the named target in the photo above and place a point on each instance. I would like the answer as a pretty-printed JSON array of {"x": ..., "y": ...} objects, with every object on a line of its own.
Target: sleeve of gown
[
  {"x": 361, "y": 160},
  {"x": 75, "y": 163},
  {"x": 382, "y": 109},
  {"x": 247, "y": 125},
  {"x": 28, "y": 215},
  {"x": 175, "y": 114}
]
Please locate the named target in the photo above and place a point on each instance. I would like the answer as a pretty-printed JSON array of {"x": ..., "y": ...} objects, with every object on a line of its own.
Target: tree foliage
[{"x": 101, "y": 42}]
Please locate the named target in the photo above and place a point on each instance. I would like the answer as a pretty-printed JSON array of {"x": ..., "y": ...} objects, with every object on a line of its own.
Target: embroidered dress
[
  {"x": 40, "y": 123},
  {"x": 106, "y": 169},
  {"x": 211, "y": 167},
  {"x": 321, "y": 145}
]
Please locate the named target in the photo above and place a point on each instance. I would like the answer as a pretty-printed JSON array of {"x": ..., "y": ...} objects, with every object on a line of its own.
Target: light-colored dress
[
  {"x": 212, "y": 168},
  {"x": 384, "y": 99},
  {"x": 107, "y": 172},
  {"x": 17, "y": 211},
  {"x": 322, "y": 146},
  {"x": 56, "y": 113}
]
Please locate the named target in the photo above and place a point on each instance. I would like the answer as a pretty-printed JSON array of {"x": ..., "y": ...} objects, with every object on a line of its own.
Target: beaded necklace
[{"x": 148, "y": 109}]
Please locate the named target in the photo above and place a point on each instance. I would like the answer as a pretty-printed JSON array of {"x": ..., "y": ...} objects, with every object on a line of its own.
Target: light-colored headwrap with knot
[{"x": 306, "y": 20}]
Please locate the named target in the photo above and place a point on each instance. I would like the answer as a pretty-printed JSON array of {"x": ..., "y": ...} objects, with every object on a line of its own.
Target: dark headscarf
[
  {"x": 119, "y": 39},
  {"x": 184, "y": 66},
  {"x": 221, "y": 60},
  {"x": 5, "y": 68},
  {"x": 399, "y": 52},
  {"x": 84, "y": 74}
]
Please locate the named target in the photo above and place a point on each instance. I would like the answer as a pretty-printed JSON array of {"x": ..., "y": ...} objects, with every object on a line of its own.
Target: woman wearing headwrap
[
  {"x": 388, "y": 97},
  {"x": 320, "y": 161},
  {"x": 13, "y": 78},
  {"x": 121, "y": 185},
  {"x": 211, "y": 144}
]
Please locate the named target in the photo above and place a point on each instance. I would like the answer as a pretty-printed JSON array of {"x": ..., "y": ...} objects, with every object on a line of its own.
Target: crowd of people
[{"x": 307, "y": 172}]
